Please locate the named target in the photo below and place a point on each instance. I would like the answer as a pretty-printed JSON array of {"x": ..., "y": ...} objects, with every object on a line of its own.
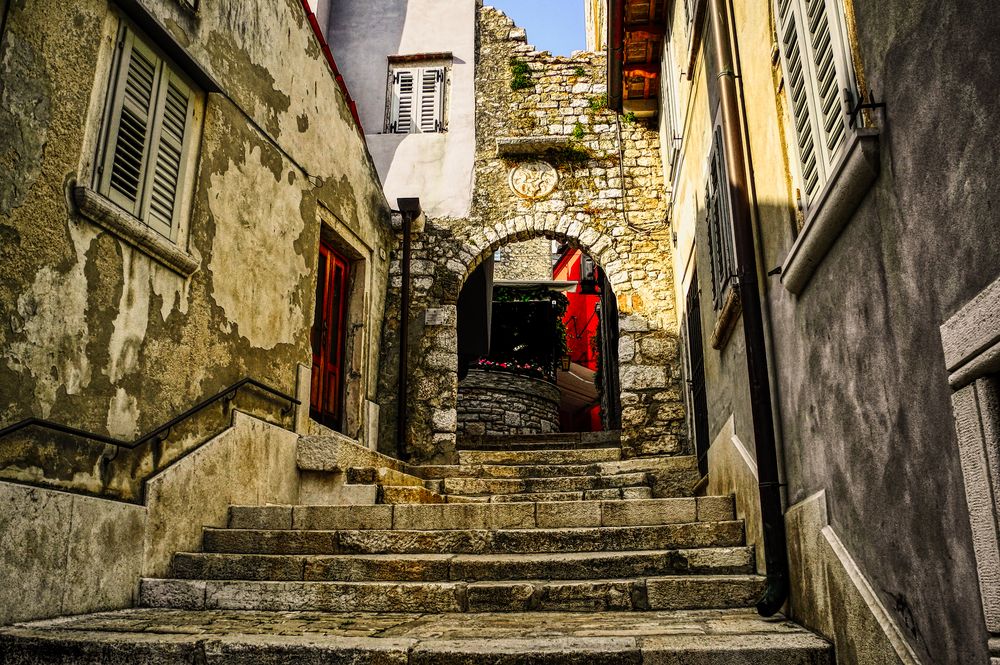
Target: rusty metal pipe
[{"x": 772, "y": 518}]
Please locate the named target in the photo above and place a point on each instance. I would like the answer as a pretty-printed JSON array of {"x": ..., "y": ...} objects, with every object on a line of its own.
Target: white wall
[{"x": 437, "y": 168}]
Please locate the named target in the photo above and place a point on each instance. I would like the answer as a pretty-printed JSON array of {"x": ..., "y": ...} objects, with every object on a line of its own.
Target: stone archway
[
  {"x": 652, "y": 412},
  {"x": 551, "y": 160}
]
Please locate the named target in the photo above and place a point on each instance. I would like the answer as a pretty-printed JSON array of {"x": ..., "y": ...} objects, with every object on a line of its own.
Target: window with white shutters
[
  {"x": 418, "y": 100},
  {"x": 147, "y": 138},
  {"x": 819, "y": 78}
]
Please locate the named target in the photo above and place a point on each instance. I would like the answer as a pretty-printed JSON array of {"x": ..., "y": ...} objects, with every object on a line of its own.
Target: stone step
[
  {"x": 393, "y": 494},
  {"x": 490, "y": 486},
  {"x": 521, "y": 515},
  {"x": 150, "y": 636},
  {"x": 474, "y": 541},
  {"x": 520, "y": 471},
  {"x": 522, "y": 457},
  {"x": 599, "y": 595},
  {"x": 367, "y": 475},
  {"x": 557, "y": 441},
  {"x": 462, "y": 567},
  {"x": 624, "y": 493}
]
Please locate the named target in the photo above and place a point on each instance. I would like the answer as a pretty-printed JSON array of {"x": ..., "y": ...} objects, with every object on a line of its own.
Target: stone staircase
[{"x": 461, "y": 564}]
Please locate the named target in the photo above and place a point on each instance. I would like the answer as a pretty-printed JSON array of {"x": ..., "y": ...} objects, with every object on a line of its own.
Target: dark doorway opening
[
  {"x": 328, "y": 338},
  {"x": 696, "y": 377}
]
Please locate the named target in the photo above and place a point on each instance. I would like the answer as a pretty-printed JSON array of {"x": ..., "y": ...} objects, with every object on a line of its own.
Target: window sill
[
  {"x": 726, "y": 323},
  {"x": 128, "y": 228},
  {"x": 832, "y": 209}
]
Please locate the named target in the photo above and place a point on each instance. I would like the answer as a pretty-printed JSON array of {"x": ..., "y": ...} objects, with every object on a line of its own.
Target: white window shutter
[
  {"x": 819, "y": 79},
  {"x": 800, "y": 90},
  {"x": 124, "y": 170},
  {"x": 828, "y": 50},
  {"x": 167, "y": 161},
  {"x": 431, "y": 99},
  {"x": 401, "y": 118}
]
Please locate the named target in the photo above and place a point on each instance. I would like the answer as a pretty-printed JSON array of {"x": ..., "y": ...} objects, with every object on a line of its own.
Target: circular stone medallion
[{"x": 533, "y": 180}]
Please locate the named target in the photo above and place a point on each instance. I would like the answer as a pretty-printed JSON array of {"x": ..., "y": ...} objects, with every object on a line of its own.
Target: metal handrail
[{"x": 163, "y": 431}]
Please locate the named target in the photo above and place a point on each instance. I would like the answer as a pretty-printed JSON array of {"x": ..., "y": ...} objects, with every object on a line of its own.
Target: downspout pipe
[
  {"x": 409, "y": 209},
  {"x": 616, "y": 54},
  {"x": 765, "y": 444}
]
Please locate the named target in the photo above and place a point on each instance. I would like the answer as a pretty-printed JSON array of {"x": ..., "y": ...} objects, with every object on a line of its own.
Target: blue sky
[{"x": 552, "y": 25}]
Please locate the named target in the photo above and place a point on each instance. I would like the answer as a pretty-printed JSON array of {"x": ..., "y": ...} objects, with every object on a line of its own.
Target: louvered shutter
[
  {"x": 170, "y": 134},
  {"x": 818, "y": 75},
  {"x": 401, "y": 119},
  {"x": 797, "y": 82},
  {"x": 720, "y": 228},
  {"x": 830, "y": 73},
  {"x": 431, "y": 99},
  {"x": 124, "y": 169}
]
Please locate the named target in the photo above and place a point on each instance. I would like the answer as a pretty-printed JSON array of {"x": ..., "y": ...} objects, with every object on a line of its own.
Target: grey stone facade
[
  {"x": 607, "y": 200},
  {"x": 498, "y": 403}
]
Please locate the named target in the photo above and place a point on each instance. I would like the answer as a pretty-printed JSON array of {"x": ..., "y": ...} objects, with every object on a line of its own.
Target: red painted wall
[
  {"x": 580, "y": 318},
  {"x": 581, "y": 328}
]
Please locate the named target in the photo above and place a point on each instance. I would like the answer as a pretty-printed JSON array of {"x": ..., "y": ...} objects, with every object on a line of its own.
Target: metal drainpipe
[
  {"x": 409, "y": 209},
  {"x": 775, "y": 546}
]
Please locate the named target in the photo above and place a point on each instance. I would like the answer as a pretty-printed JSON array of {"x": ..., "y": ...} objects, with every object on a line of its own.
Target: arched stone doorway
[
  {"x": 551, "y": 160},
  {"x": 649, "y": 374}
]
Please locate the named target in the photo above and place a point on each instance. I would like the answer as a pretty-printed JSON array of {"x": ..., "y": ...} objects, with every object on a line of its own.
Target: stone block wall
[
  {"x": 496, "y": 403},
  {"x": 582, "y": 176}
]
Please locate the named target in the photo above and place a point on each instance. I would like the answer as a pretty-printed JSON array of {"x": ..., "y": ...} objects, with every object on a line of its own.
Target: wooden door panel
[{"x": 328, "y": 336}]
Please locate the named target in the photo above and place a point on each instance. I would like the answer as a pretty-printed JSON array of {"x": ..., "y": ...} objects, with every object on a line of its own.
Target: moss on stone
[{"x": 521, "y": 75}]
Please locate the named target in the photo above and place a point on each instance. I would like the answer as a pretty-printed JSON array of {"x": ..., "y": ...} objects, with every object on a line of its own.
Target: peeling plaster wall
[{"x": 97, "y": 334}]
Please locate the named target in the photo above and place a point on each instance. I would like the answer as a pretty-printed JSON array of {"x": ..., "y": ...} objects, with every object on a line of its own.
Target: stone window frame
[
  {"x": 418, "y": 64},
  {"x": 845, "y": 174},
  {"x": 971, "y": 342},
  {"x": 90, "y": 198}
]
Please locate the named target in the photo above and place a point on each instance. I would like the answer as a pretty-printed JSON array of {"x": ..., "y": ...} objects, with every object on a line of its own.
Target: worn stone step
[
  {"x": 153, "y": 636},
  {"x": 613, "y": 494},
  {"x": 475, "y": 541},
  {"x": 528, "y": 442},
  {"x": 523, "y": 457},
  {"x": 520, "y": 515},
  {"x": 367, "y": 475},
  {"x": 462, "y": 567},
  {"x": 489, "y": 486},
  {"x": 597, "y": 595},
  {"x": 519, "y": 471},
  {"x": 393, "y": 494}
]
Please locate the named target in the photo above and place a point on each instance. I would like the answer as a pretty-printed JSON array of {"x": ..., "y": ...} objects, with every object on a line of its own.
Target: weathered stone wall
[
  {"x": 99, "y": 334},
  {"x": 494, "y": 403},
  {"x": 607, "y": 200},
  {"x": 527, "y": 261}
]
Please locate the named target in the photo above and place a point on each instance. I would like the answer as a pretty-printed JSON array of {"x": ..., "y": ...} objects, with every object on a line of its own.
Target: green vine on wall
[
  {"x": 598, "y": 103},
  {"x": 521, "y": 75}
]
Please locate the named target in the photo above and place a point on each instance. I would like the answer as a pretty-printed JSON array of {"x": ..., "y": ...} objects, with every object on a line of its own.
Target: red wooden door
[{"x": 328, "y": 337}]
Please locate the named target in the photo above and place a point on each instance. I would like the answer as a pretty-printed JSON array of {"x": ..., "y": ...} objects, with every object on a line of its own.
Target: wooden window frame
[
  {"x": 166, "y": 76},
  {"x": 418, "y": 69},
  {"x": 719, "y": 222},
  {"x": 793, "y": 19}
]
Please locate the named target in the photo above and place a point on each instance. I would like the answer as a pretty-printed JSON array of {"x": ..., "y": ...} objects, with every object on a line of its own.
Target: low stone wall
[{"x": 491, "y": 403}]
